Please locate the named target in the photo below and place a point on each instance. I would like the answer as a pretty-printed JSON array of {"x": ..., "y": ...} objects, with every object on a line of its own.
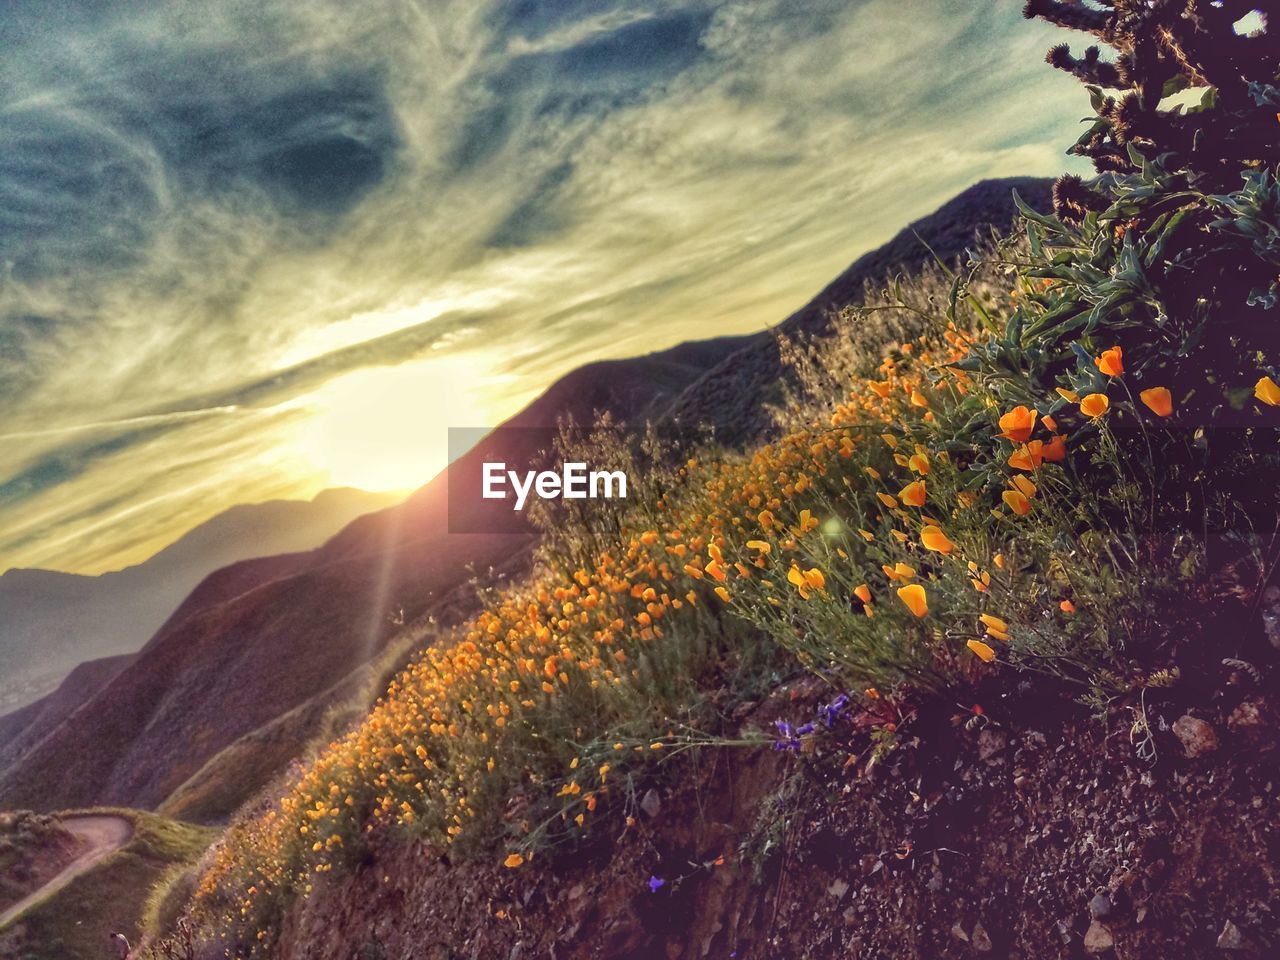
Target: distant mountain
[
  {"x": 50, "y": 621},
  {"x": 735, "y": 395},
  {"x": 229, "y": 687}
]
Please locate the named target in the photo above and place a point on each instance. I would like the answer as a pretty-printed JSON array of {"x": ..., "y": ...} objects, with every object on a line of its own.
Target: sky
[{"x": 255, "y": 249}]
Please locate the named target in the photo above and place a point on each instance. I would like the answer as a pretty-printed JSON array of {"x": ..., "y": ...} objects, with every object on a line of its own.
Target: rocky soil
[{"x": 1024, "y": 828}]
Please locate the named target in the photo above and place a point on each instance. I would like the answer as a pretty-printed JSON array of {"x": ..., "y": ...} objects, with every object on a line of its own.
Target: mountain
[
  {"x": 735, "y": 395},
  {"x": 50, "y": 621},
  {"x": 211, "y": 707},
  {"x": 263, "y": 642}
]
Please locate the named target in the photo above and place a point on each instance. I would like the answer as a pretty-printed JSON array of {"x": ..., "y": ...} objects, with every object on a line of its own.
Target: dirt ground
[{"x": 1027, "y": 829}]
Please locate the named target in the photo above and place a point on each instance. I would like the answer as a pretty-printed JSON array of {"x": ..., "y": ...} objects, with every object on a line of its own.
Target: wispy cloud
[{"x": 210, "y": 212}]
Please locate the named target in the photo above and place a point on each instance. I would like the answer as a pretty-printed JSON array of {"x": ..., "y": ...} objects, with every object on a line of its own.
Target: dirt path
[{"x": 103, "y": 835}]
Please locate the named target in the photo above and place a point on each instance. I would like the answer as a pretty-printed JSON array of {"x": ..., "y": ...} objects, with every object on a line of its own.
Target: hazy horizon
[{"x": 257, "y": 250}]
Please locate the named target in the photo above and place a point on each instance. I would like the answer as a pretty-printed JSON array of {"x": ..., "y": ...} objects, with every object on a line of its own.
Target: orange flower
[
  {"x": 862, "y": 592},
  {"x": 1027, "y": 457},
  {"x": 1111, "y": 362},
  {"x": 1017, "y": 424},
  {"x": 1068, "y": 395},
  {"x": 1016, "y": 502},
  {"x": 995, "y": 626},
  {"x": 915, "y": 598},
  {"x": 723, "y": 594},
  {"x": 1268, "y": 391},
  {"x": 1055, "y": 449},
  {"x": 764, "y": 546},
  {"x": 934, "y": 539},
  {"x": 982, "y": 651},
  {"x": 913, "y": 493},
  {"x": 1095, "y": 405},
  {"x": 513, "y": 861},
  {"x": 1066, "y": 606},
  {"x": 1025, "y": 487},
  {"x": 920, "y": 464},
  {"x": 1158, "y": 400},
  {"x": 887, "y": 500},
  {"x": 899, "y": 571}
]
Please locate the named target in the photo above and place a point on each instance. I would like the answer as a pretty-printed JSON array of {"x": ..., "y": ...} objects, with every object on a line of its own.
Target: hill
[
  {"x": 53, "y": 621},
  {"x": 121, "y": 893},
  {"x": 212, "y": 676}
]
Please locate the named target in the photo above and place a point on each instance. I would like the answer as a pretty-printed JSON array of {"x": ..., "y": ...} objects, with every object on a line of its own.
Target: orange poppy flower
[
  {"x": 982, "y": 651},
  {"x": 862, "y": 592},
  {"x": 1027, "y": 457},
  {"x": 934, "y": 539},
  {"x": 1111, "y": 362},
  {"x": 1095, "y": 405},
  {"x": 916, "y": 600},
  {"x": 1066, "y": 606},
  {"x": 1017, "y": 424},
  {"x": 913, "y": 494},
  {"x": 1016, "y": 502},
  {"x": 513, "y": 861},
  {"x": 1056, "y": 449},
  {"x": 1158, "y": 400},
  {"x": 1268, "y": 391}
]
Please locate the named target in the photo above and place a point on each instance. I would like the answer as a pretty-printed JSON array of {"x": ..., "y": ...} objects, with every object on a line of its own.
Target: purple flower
[
  {"x": 656, "y": 884},
  {"x": 829, "y": 713},
  {"x": 787, "y": 737}
]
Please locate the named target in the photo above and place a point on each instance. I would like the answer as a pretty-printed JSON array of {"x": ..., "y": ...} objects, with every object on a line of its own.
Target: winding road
[{"x": 103, "y": 834}]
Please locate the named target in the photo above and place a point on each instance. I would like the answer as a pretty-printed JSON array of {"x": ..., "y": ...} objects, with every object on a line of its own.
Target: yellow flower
[
  {"x": 764, "y": 546},
  {"x": 1016, "y": 502},
  {"x": 1095, "y": 405},
  {"x": 1024, "y": 486},
  {"x": 816, "y": 579},
  {"x": 899, "y": 571},
  {"x": 1111, "y": 362},
  {"x": 872, "y": 472},
  {"x": 1068, "y": 395},
  {"x": 916, "y": 600},
  {"x": 807, "y": 522},
  {"x": 723, "y": 594},
  {"x": 920, "y": 464},
  {"x": 1018, "y": 423},
  {"x": 1268, "y": 391},
  {"x": 913, "y": 494},
  {"x": 866, "y": 535},
  {"x": 887, "y": 500},
  {"x": 934, "y": 539},
  {"x": 513, "y": 861},
  {"x": 1158, "y": 400},
  {"x": 995, "y": 626},
  {"x": 982, "y": 651}
]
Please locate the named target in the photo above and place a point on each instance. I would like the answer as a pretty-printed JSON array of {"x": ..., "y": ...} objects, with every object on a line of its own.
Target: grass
[{"x": 117, "y": 895}]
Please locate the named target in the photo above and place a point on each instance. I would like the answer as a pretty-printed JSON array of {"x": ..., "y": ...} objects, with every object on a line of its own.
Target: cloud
[{"x": 210, "y": 212}]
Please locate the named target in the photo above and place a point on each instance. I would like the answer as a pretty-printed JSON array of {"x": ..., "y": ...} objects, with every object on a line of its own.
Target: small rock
[
  {"x": 1247, "y": 716},
  {"x": 650, "y": 803},
  {"x": 1197, "y": 736},
  {"x": 1231, "y": 938},
  {"x": 1098, "y": 939},
  {"x": 991, "y": 742},
  {"x": 957, "y": 931},
  {"x": 981, "y": 939},
  {"x": 838, "y": 888},
  {"x": 1100, "y": 907}
]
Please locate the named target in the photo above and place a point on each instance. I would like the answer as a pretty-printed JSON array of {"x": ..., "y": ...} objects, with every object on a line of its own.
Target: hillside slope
[
  {"x": 214, "y": 673},
  {"x": 734, "y": 396},
  {"x": 211, "y": 678},
  {"x": 53, "y": 621}
]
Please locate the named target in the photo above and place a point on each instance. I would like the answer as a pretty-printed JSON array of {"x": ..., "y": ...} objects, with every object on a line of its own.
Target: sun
[{"x": 387, "y": 429}]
